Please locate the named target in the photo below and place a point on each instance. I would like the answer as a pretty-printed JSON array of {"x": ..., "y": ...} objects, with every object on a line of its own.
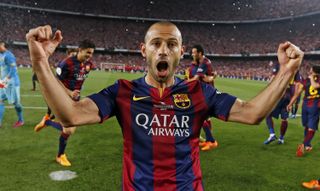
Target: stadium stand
[
  {"x": 222, "y": 38},
  {"x": 206, "y": 10}
]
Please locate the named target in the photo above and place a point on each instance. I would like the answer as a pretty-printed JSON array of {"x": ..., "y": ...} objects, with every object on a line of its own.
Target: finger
[
  {"x": 41, "y": 34},
  {"x": 47, "y": 31},
  {"x": 32, "y": 34},
  {"x": 57, "y": 38},
  {"x": 293, "y": 51},
  {"x": 283, "y": 46}
]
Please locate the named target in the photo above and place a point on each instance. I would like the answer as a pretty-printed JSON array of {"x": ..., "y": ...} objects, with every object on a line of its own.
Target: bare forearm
[
  {"x": 54, "y": 93},
  {"x": 297, "y": 92},
  {"x": 255, "y": 110}
]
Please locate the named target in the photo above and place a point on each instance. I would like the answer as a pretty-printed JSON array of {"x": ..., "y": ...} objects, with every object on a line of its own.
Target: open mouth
[{"x": 162, "y": 66}]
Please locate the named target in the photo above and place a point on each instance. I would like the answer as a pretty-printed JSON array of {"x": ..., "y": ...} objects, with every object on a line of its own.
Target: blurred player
[
  {"x": 296, "y": 104},
  {"x": 312, "y": 185},
  {"x": 10, "y": 88},
  {"x": 280, "y": 110},
  {"x": 310, "y": 108},
  {"x": 160, "y": 115},
  {"x": 71, "y": 72},
  {"x": 34, "y": 80},
  {"x": 201, "y": 69}
]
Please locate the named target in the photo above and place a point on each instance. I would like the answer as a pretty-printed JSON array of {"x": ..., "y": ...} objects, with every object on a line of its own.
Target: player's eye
[
  {"x": 157, "y": 43},
  {"x": 172, "y": 44}
]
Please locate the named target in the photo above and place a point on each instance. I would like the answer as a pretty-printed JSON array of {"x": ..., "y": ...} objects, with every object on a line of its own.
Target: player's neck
[
  {"x": 201, "y": 59},
  {"x": 161, "y": 85}
]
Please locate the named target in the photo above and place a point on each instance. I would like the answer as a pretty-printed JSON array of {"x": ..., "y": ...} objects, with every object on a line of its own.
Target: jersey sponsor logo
[
  {"x": 200, "y": 70},
  {"x": 164, "y": 124},
  {"x": 181, "y": 101},
  {"x": 80, "y": 76},
  {"x": 135, "y": 98},
  {"x": 163, "y": 106}
]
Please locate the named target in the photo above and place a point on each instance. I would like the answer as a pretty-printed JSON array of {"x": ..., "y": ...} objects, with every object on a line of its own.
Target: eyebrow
[{"x": 170, "y": 39}]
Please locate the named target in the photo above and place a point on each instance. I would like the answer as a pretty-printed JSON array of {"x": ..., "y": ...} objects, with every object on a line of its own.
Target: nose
[{"x": 163, "y": 50}]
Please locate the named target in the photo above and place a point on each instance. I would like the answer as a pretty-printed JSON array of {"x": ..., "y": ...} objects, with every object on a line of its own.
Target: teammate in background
[
  {"x": 201, "y": 69},
  {"x": 10, "y": 88},
  {"x": 280, "y": 109},
  {"x": 296, "y": 104},
  {"x": 313, "y": 184},
  {"x": 160, "y": 114},
  {"x": 310, "y": 108},
  {"x": 71, "y": 72},
  {"x": 34, "y": 80},
  {"x": 70, "y": 52}
]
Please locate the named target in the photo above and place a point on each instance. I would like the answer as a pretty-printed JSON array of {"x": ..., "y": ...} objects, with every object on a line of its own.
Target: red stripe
[
  {"x": 200, "y": 110},
  {"x": 163, "y": 149},
  {"x": 124, "y": 99}
]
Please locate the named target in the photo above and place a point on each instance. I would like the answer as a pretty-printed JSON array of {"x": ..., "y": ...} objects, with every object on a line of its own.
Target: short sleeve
[
  {"x": 219, "y": 104},
  {"x": 106, "y": 101}
]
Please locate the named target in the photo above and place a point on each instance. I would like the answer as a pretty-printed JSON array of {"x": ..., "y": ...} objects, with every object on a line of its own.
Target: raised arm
[
  {"x": 255, "y": 110},
  {"x": 41, "y": 45},
  {"x": 297, "y": 92}
]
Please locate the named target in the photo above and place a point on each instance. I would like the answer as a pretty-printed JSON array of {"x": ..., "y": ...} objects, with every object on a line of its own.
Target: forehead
[
  {"x": 163, "y": 32},
  {"x": 194, "y": 50}
]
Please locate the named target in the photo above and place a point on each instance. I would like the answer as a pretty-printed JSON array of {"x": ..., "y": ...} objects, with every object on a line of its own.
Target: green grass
[{"x": 241, "y": 162}]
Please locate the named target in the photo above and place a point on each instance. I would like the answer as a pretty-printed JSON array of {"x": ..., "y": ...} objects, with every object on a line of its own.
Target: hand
[
  {"x": 75, "y": 94},
  {"x": 41, "y": 43},
  {"x": 311, "y": 76},
  {"x": 289, "y": 56}
]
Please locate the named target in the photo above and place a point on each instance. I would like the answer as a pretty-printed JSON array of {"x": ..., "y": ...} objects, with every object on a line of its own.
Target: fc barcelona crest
[{"x": 181, "y": 100}]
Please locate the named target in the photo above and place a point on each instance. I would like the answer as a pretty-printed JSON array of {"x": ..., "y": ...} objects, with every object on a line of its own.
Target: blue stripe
[
  {"x": 142, "y": 143},
  {"x": 184, "y": 170}
]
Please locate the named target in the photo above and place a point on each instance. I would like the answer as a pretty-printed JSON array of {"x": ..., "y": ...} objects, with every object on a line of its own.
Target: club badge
[{"x": 181, "y": 101}]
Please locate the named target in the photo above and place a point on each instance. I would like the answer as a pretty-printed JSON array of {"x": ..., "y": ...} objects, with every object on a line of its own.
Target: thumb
[{"x": 57, "y": 38}]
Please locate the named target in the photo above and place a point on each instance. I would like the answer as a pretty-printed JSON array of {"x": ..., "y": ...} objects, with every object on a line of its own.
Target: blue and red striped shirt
[
  {"x": 311, "y": 93},
  {"x": 200, "y": 69},
  {"x": 72, "y": 73},
  {"x": 291, "y": 88},
  {"x": 161, "y": 134}
]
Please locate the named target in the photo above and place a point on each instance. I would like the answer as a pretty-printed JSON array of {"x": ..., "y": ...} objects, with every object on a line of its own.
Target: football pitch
[{"x": 241, "y": 162}]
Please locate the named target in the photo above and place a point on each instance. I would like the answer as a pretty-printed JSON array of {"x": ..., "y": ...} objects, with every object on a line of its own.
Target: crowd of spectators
[
  {"x": 113, "y": 35},
  {"x": 126, "y": 34},
  {"x": 187, "y": 9}
]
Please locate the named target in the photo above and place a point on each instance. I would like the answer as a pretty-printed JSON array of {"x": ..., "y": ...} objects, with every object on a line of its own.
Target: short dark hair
[
  {"x": 69, "y": 50},
  {"x": 316, "y": 68},
  {"x": 199, "y": 48},
  {"x": 87, "y": 44}
]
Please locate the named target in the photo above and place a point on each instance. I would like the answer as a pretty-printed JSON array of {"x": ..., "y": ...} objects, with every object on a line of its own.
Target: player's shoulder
[
  {"x": 135, "y": 82},
  {"x": 8, "y": 54},
  {"x": 206, "y": 60}
]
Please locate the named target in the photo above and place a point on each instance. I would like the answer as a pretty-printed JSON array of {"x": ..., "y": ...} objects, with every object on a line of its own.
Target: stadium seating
[{"x": 112, "y": 34}]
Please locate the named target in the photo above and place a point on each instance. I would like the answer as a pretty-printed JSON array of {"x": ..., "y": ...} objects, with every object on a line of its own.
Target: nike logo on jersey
[{"x": 139, "y": 98}]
